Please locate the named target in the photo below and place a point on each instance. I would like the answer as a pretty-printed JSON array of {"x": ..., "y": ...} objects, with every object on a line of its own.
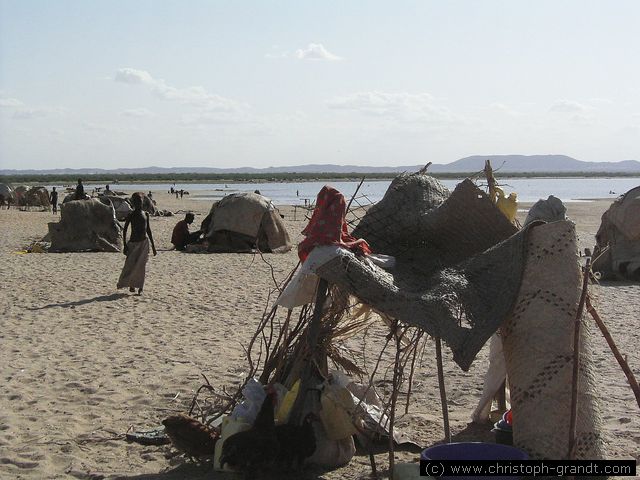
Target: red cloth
[{"x": 328, "y": 226}]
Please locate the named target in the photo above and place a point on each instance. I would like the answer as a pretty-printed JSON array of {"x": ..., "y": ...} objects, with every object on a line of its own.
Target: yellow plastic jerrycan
[
  {"x": 282, "y": 415},
  {"x": 508, "y": 205}
]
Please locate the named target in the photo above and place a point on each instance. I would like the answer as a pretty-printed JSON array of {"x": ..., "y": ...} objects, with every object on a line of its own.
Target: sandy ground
[{"x": 81, "y": 362}]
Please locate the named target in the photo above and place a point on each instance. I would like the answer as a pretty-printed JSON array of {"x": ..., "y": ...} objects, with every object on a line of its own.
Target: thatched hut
[
  {"x": 122, "y": 206},
  {"x": 617, "y": 250},
  {"x": 7, "y": 192},
  {"x": 462, "y": 272},
  {"x": 241, "y": 222},
  {"x": 37, "y": 197},
  {"x": 85, "y": 225}
]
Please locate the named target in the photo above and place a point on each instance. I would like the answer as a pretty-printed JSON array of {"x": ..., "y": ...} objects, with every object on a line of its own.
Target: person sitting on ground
[
  {"x": 181, "y": 237},
  {"x": 54, "y": 200},
  {"x": 79, "y": 194}
]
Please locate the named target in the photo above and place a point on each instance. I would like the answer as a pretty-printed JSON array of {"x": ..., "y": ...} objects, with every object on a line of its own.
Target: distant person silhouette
[
  {"x": 54, "y": 200},
  {"x": 79, "y": 195}
]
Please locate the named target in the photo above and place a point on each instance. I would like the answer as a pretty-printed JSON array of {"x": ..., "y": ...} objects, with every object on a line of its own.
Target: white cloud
[
  {"x": 409, "y": 107},
  {"x": 601, "y": 101},
  {"x": 203, "y": 119},
  {"x": 10, "y": 103},
  {"x": 28, "y": 113},
  {"x": 569, "y": 106},
  {"x": 196, "y": 96},
  {"x": 276, "y": 55},
  {"x": 136, "y": 113},
  {"x": 506, "y": 109},
  {"x": 316, "y": 51},
  {"x": 133, "y": 76},
  {"x": 21, "y": 111}
]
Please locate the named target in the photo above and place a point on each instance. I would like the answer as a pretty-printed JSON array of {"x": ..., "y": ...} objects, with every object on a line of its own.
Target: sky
[{"x": 116, "y": 84}]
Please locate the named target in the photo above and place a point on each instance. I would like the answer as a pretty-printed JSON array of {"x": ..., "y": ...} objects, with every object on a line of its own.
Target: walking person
[
  {"x": 54, "y": 200},
  {"x": 137, "y": 249}
]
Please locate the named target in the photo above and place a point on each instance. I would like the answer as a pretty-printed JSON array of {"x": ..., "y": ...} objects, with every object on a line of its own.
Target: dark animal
[
  {"x": 257, "y": 447},
  {"x": 296, "y": 443},
  {"x": 190, "y": 436}
]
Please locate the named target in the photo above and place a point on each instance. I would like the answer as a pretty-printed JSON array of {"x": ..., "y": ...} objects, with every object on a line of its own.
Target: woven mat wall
[{"x": 538, "y": 346}]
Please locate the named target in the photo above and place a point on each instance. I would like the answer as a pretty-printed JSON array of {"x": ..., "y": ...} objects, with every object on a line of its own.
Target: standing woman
[{"x": 137, "y": 249}]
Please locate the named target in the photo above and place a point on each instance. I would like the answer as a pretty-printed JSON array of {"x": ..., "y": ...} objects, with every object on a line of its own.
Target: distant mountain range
[{"x": 505, "y": 164}]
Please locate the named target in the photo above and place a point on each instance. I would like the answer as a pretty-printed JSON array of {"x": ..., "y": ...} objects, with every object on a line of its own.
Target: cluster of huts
[
  {"x": 246, "y": 221},
  {"x": 23, "y": 196},
  {"x": 240, "y": 222}
]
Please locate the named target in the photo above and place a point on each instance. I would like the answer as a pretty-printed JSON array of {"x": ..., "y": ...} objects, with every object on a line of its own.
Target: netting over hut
[{"x": 460, "y": 269}]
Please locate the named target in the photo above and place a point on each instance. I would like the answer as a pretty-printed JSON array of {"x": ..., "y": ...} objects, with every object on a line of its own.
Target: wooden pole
[
  {"x": 354, "y": 196},
  {"x": 623, "y": 363},
  {"x": 312, "y": 341},
  {"x": 443, "y": 392},
  {"x": 397, "y": 373},
  {"x": 576, "y": 363},
  {"x": 501, "y": 397},
  {"x": 491, "y": 180}
]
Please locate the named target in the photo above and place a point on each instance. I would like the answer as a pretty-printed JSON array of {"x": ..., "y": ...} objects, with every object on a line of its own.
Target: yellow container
[{"x": 282, "y": 415}]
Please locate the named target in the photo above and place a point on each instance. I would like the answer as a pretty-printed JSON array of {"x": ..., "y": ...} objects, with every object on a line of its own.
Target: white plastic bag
[{"x": 248, "y": 409}]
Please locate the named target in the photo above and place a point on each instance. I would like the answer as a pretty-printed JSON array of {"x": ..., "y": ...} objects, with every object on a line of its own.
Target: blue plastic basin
[{"x": 474, "y": 451}]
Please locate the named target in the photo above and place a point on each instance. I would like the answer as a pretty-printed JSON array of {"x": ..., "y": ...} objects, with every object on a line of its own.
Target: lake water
[{"x": 528, "y": 189}]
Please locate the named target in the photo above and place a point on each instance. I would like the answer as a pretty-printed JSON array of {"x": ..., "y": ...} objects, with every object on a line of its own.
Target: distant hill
[
  {"x": 535, "y": 163},
  {"x": 506, "y": 163}
]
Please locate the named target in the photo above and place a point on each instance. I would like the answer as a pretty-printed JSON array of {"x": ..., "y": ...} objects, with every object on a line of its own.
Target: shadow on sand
[
  {"x": 77, "y": 303},
  {"x": 202, "y": 471}
]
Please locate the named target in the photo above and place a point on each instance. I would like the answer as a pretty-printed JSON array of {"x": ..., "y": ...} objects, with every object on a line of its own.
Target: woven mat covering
[
  {"x": 455, "y": 255},
  {"x": 538, "y": 346}
]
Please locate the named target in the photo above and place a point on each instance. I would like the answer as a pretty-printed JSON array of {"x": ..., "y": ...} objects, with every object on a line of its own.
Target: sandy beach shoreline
[{"x": 81, "y": 362}]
